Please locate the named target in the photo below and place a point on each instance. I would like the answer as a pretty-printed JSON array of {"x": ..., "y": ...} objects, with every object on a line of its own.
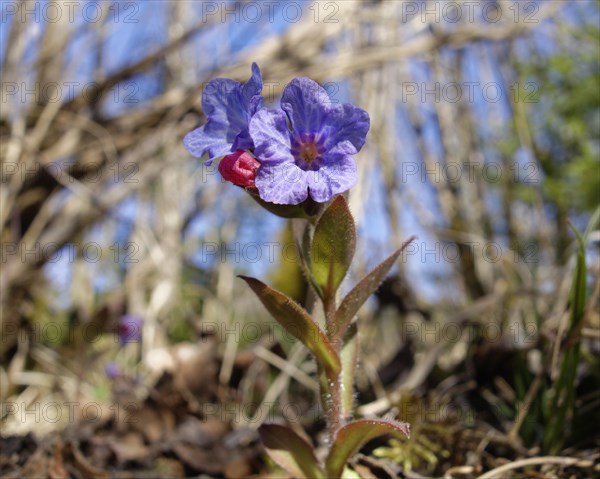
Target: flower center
[{"x": 308, "y": 152}]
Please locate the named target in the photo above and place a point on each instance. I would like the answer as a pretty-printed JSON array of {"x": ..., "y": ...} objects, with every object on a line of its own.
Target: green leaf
[
  {"x": 303, "y": 244},
  {"x": 563, "y": 390},
  {"x": 297, "y": 322},
  {"x": 349, "y": 357},
  {"x": 578, "y": 291},
  {"x": 351, "y": 474},
  {"x": 333, "y": 246},
  {"x": 365, "y": 288},
  {"x": 290, "y": 451},
  {"x": 355, "y": 434}
]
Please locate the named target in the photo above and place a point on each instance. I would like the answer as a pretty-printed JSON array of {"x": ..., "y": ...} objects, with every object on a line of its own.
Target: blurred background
[{"x": 127, "y": 341}]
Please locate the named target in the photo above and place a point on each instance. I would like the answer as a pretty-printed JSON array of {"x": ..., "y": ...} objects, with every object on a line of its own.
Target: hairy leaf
[
  {"x": 290, "y": 451},
  {"x": 365, "y": 288},
  {"x": 349, "y": 356},
  {"x": 297, "y": 322},
  {"x": 333, "y": 246},
  {"x": 355, "y": 434}
]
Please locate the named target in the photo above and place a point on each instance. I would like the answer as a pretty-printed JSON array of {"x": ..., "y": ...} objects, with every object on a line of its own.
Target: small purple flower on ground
[
  {"x": 239, "y": 168},
  {"x": 129, "y": 329},
  {"x": 228, "y": 107},
  {"x": 112, "y": 370},
  {"x": 314, "y": 156}
]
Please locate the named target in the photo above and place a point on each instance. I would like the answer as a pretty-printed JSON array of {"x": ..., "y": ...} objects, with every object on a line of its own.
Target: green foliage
[
  {"x": 354, "y": 435},
  {"x": 290, "y": 451},
  {"x": 419, "y": 452},
  {"x": 568, "y": 125},
  {"x": 562, "y": 394},
  {"x": 365, "y": 288},
  {"x": 330, "y": 251},
  {"x": 533, "y": 427},
  {"x": 431, "y": 438},
  {"x": 287, "y": 277},
  {"x": 349, "y": 358},
  {"x": 333, "y": 246},
  {"x": 297, "y": 322},
  {"x": 180, "y": 330}
]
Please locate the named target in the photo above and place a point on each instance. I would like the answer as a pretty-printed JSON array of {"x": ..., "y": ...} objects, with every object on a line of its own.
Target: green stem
[
  {"x": 331, "y": 387},
  {"x": 334, "y": 408}
]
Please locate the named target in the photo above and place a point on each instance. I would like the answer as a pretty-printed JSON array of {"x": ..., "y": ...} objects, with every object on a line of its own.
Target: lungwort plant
[{"x": 297, "y": 162}]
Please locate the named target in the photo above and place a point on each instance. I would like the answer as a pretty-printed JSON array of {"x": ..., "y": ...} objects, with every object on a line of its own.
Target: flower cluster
[{"x": 303, "y": 151}]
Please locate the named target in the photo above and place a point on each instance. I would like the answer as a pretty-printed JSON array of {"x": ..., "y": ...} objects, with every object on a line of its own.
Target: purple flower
[
  {"x": 129, "y": 329},
  {"x": 314, "y": 156},
  {"x": 228, "y": 107},
  {"x": 112, "y": 370}
]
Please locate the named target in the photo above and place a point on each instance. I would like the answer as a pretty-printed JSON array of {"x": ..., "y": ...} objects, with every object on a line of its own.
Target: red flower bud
[{"x": 239, "y": 168}]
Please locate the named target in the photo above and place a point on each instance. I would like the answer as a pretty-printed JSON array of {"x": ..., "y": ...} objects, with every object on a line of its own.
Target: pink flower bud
[{"x": 239, "y": 168}]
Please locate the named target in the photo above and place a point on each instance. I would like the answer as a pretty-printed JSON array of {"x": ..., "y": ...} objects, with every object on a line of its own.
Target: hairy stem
[
  {"x": 334, "y": 408},
  {"x": 331, "y": 387}
]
